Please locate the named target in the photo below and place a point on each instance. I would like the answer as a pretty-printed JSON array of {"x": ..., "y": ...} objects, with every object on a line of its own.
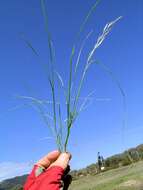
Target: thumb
[{"x": 63, "y": 160}]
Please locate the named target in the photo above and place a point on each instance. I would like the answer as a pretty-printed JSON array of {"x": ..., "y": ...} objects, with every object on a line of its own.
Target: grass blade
[
  {"x": 85, "y": 101},
  {"x": 45, "y": 15},
  {"x": 61, "y": 128},
  {"x": 123, "y": 94},
  {"x": 29, "y": 44},
  {"x": 91, "y": 11},
  {"x": 102, "y": 37},
  {"x": 81, "y": 49}
]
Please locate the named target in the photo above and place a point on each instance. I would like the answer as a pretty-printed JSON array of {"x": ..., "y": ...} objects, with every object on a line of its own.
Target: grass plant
[{"x": 60, "y": 128}]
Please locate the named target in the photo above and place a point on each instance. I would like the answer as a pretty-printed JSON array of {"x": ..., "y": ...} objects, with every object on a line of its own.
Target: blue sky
[{"x": 99, "y": 127}]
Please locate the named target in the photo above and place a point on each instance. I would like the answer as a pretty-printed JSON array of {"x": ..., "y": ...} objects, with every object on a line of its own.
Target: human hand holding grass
[{"x": 49, "y": 171}]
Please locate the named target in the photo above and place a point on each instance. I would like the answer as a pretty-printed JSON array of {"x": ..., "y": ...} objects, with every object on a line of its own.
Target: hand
[
  {"x": 49, "y": 171},
  {"x": 55, "y": 158}
]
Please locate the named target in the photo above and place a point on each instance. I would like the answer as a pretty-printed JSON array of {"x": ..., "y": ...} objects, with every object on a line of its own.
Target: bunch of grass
[{"x": 58, "y": 126}]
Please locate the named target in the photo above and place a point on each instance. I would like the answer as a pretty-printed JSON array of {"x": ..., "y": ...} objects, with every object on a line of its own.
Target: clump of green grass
[{"x": 60, "y": 128}]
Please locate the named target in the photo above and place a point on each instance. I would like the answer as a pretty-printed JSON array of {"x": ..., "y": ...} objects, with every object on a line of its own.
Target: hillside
[
  {"x": 123, "y": 178},
  {"x": 125, "y": 169},
  {"x": 13, "y": 184},
  {"x": 128, "y": 157}
]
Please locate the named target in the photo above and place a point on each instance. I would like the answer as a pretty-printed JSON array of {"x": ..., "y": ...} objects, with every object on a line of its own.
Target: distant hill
[
  {"x": 126, "y": 158},
  {"x": 13, "y": 184}
]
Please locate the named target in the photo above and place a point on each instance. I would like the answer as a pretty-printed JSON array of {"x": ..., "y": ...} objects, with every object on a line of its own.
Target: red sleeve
[{"x": 49, "y": 179}]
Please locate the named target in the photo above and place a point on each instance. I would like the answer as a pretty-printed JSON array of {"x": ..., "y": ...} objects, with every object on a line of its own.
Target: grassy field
[{"x": 124, "y": 178}]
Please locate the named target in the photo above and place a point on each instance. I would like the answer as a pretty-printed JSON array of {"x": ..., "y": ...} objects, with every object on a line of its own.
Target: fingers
[
  {"x": 62, "y": 160},
  {"x": 47, "y": 160},
  {"x": 55, "y": 158}
]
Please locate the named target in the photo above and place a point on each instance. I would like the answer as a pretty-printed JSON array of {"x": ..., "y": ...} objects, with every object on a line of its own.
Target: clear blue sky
[{"x": 98, "y": 128}]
